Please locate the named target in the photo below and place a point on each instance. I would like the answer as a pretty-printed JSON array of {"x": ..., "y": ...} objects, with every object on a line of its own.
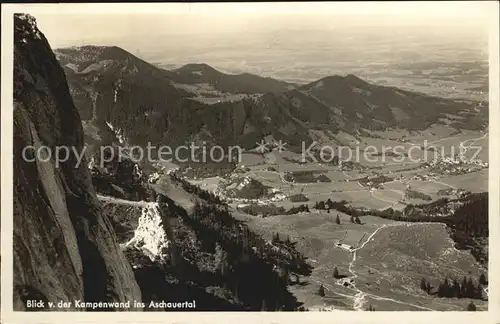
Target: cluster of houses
[{"x": 452, "y": 165}]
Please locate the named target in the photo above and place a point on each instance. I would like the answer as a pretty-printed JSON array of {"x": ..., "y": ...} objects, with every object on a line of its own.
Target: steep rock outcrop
[
  {"x": 65, "y": 249},
  {"x": 143, "y": 226}
]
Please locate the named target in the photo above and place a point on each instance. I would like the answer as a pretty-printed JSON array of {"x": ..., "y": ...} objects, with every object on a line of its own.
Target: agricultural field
[
  {"x": 475, "y": 182},
  {"x": 380, "y": 261},
  {"x": 387, "y": 268}
]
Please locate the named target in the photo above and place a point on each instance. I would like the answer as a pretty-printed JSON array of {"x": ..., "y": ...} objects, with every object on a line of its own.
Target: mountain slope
[
  {"x": 64, "y": 247},
  {"x": 116, "y": 92},
  {"x": 234, "y": 83},
  {"x": 187, "y": 245},
  {"x": 372, "y": 106}
]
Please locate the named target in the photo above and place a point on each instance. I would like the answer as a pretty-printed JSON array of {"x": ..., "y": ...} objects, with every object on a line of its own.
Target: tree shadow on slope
[
  {"x": 159, "y": 284},
  {"x": 251, "y": 269}
]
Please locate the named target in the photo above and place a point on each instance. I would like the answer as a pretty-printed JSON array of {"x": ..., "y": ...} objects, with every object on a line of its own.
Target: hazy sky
[{"x": 74, "y": 24}]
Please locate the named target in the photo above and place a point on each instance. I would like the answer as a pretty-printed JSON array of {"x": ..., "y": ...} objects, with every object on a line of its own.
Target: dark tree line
[
  {"x": 210, "y": 197},
  {"x": 340, "y": 206},
  {"x": 298, "y": 209},
  {"x": 468, "y": 223},
  {"x": 336, "y": 273},
  {"x": 321, "y": 291},
  {"x": 271, "y": 209},
  {"x": 215, "y": 224},
  {"x": 472, "y": 216},
  {"x": 355, "y": 220},
  {"x": 257, "y": 272},
  {"x": 455, "y": 288}
]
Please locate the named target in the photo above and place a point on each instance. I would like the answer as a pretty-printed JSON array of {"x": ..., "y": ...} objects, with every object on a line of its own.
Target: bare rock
[{"x": 65, "y": 248}]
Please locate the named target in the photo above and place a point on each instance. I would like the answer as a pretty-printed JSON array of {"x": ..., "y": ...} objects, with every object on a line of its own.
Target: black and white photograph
[{"x": 249, "y": 157}]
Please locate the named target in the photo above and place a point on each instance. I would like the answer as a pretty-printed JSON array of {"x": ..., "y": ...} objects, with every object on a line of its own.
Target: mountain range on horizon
[{"x": 111, "y": 86}]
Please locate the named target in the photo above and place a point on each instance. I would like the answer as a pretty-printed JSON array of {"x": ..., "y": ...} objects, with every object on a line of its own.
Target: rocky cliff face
[{"x": 64, "y": 247}]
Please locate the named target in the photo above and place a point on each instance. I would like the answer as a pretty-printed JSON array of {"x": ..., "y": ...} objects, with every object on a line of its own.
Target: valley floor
[{"x": 381, "y": 261}]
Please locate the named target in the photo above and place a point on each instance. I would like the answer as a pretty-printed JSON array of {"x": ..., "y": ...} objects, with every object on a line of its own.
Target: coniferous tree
[
  {"x": 236, "y": 291},
  {"x": 471, "y": 307},
  {"x": 447, "y": 288},
  {"x": 221, "y": 259},
  {"x": 479, "y": 291},
  {"x": 428, "y": 288},
  {"x": 335, "y": 272},
  {"x": 482, "y": 280},
  {"x": 455, "y": 289},
  {"x": 423, "y": 284},
  {"x": 470, "y": 288},
  {"x": 286, "y": 276},
  {"x": 463, "y": 287},
  {"x": 321, "y": 291},
  {"x": 442, "y": 290},
  {"x": 337, "y": 220},
  {"x": 459, "y": 291},
  {"x": 357, "y": 220},
  {"x": 329, "y": 203}
]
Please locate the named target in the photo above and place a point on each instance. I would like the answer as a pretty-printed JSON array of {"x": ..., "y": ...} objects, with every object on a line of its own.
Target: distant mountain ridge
[
  {"x": 84, "y": 59},
  {"x": 113, "y": 87},
  {"x": 196, "y": 102},
  {"x": 238, "y": 83},
  {"x": 358, "y": 103}
]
